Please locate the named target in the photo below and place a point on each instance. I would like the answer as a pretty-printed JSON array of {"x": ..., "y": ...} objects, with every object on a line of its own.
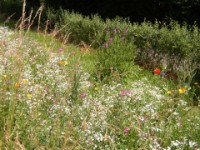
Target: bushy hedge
[
  {"x": 172, "y": 40},
  {"x": 171, "y": 47}
]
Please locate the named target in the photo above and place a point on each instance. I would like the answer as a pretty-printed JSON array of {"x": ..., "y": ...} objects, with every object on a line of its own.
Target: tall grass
[{"x": 115, "y": 56}]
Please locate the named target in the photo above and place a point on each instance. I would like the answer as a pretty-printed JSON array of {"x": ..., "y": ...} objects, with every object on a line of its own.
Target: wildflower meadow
[{"x": 68, "y": 96}]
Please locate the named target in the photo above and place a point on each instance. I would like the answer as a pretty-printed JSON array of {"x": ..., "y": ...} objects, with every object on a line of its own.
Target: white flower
[
  {"x": 175, "y": 143},
  {"x": 192, "y": 144}
]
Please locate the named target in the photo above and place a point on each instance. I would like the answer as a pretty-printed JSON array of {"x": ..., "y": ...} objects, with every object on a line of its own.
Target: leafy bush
[{"x": 81, "y": 28}]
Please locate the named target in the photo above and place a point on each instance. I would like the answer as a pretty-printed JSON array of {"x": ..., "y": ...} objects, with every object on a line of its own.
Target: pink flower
[
  {"x": 115, "y": 30},
  {"x": 60, "y": 49},
  {"x": 73, "y": 52},
  {"x": 82, "y": 95},
  {"x": 125, "y": 92},
  {"x": 126, "y": 130}
]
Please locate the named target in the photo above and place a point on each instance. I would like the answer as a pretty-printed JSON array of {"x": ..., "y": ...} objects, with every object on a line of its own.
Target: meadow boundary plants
[{"x": 158, "y": 45}]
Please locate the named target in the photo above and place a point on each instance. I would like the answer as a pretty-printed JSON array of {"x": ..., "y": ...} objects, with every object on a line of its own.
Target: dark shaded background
[{"x": 136, "y": 10}]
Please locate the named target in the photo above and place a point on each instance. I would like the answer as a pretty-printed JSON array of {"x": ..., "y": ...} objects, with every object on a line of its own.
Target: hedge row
[{"x": 153, "y": 40}]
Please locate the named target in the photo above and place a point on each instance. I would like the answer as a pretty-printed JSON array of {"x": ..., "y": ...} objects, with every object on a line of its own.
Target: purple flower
[
  {"x": 111, "y": 39},
  {"x": 126, "y": 130},
  {"x": 115, "y": 30},
  {"x": 128, "y": 92},
  {"x": 163, "y": 74},
  {"x": 106, "y": 45}
]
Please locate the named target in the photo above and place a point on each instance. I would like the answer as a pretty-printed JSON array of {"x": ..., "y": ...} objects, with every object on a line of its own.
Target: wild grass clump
[{"x": 115, "y": 56}]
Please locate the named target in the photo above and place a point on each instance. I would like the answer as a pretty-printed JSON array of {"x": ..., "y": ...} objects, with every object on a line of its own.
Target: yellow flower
[
  {"x": 24, "y": 81},
  {"x": 182, "y": 90},
  {"x": 169, "y": 92},
  {"x": 17, "y": 84},
  {"x": 5, "y": 76},
  {"x": 29, "y": 95},
  {"x": 96, "y": 88},
  {"x": 66, "y": 63}
]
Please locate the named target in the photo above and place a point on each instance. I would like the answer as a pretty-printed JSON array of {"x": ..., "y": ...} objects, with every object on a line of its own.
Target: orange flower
[
  {"x": 62, "y": 62},
  {"x": 17, "y": 84},
  {"x": 182, "y": 90}
]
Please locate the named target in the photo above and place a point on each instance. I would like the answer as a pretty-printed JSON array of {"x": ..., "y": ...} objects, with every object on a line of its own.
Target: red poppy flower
[{"x": 156, "y": 71}]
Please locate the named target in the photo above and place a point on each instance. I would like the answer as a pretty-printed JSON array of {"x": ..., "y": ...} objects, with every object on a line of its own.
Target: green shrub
[{"x": 82, "y": 29}]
